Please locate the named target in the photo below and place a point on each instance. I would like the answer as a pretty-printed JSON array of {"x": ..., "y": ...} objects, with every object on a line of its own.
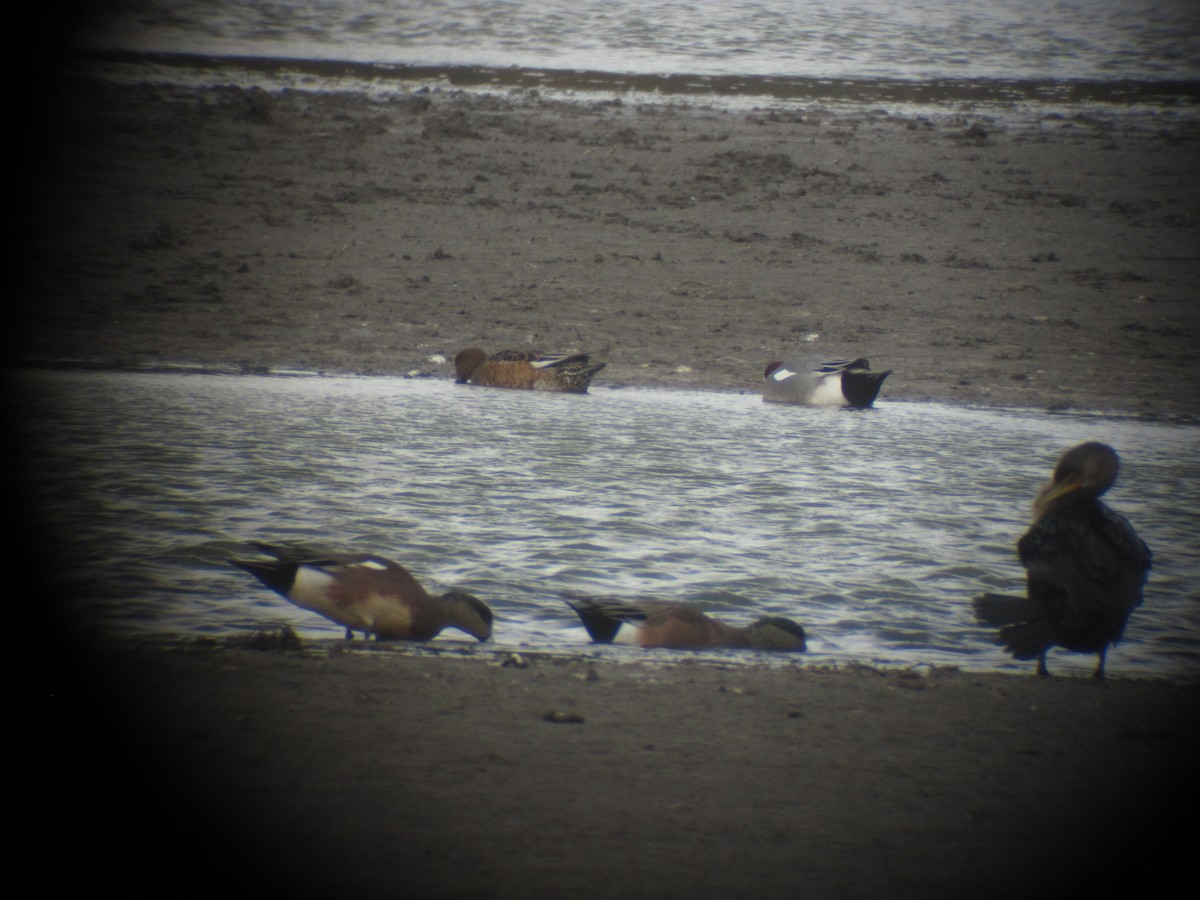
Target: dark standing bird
[
  {"x": 569, "y": 373},
  {"x": 841, "y": 382},
  {"x": 679, "y": 626},
  {"x": 1085, "y": 564},
  {"x": 367, "y": 593}
]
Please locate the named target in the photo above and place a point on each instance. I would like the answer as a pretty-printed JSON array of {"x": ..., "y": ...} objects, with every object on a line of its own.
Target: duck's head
[
  {"x": 470, "y": 614},
  {"x": 1083, "y": 473},
  {"x": 776, "y": 633},
  {"x": 466, "y": 362}
]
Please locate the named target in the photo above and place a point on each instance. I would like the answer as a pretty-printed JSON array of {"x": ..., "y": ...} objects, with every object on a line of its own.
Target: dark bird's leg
[
  {"x": 349, "y": 635},
  {"x": 1099, "y": 673},
  {"x": 1041, "y": 668}
]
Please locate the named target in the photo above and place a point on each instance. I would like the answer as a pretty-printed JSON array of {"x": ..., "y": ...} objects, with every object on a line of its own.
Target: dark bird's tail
[
  {"x": 1003, "y": 609},
  {"x": 1027, "y": 633}
]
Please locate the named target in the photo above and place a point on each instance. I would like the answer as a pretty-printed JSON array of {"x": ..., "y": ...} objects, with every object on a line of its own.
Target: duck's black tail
[
  {"x": 602, "y": 619},
  {"x": 860, "y": 388},
  {"x": 278, "y": 575}
]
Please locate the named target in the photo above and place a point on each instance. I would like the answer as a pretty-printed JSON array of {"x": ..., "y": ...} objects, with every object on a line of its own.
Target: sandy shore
[
  {"x": 1047, "y": 263},
  {"x": 372, "y": 770}
]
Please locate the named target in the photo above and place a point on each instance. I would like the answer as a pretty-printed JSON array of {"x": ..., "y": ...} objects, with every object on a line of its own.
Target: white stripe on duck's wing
[
  {"x": 328, "y": 562},
  {"x": 349, "y": 563},
  {"x": 294, "y": 554},
  {"x": 568, "y": 373},
  {"x": 843, "y": 365},
  {"x": 833, "y": 366},
  {"x": 538, "y": 359},
  {"x": 563, "y": 360}
]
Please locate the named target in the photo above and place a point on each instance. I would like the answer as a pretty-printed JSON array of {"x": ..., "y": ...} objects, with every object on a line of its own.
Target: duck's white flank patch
[
  {"x": 311, "y": 589},
  {"x": 626, "y": 634},
  {"x": 828, "y": 391}
]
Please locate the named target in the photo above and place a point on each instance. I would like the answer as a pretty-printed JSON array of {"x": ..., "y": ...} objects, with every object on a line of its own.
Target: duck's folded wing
[{"x": 528, "y": 356}]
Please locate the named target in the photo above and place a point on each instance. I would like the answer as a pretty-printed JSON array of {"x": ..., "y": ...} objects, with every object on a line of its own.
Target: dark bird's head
[
  {"x": 1082, "y": 474},
  {"x": 776, "y": 633}
]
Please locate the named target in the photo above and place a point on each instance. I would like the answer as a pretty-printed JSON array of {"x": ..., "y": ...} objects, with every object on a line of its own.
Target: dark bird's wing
[{"x": 1087, "y": 568}]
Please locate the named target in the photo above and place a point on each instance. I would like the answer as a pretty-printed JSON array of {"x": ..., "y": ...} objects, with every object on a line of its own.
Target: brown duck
[
  {"x": 679, "y": 626},
  {"x": 526, "y": 370},
  {"x": 367, "y": 593}
]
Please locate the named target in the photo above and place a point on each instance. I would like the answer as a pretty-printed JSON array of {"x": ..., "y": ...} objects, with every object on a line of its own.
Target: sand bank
[{"x": 1032, "y": 260}]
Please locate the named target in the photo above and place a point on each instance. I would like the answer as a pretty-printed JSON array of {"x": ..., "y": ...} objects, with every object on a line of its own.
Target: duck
[
  {"x": 367, "y": 593},
  {"x": 1086, "y": 567},
  {"x": 569, "y": 373},
  {"x": 680, "y": 626},
  {"x": 839, "y": 382}
]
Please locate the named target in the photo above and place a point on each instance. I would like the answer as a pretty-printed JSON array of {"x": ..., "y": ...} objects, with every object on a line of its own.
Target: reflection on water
[{"x": 873, "y": 528}]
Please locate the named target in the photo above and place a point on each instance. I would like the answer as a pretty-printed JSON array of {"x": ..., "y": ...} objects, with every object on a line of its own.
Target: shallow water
[
  {"x": 910, "y": 57},
  {"x": 873, "y": 528},
  {"x": 1110, "y": 40}
]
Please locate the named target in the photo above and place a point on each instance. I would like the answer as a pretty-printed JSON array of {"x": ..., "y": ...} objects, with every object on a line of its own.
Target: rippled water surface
[
  {"x": 873, "y": 528},
  {"x": 1097, "y": 39}
]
